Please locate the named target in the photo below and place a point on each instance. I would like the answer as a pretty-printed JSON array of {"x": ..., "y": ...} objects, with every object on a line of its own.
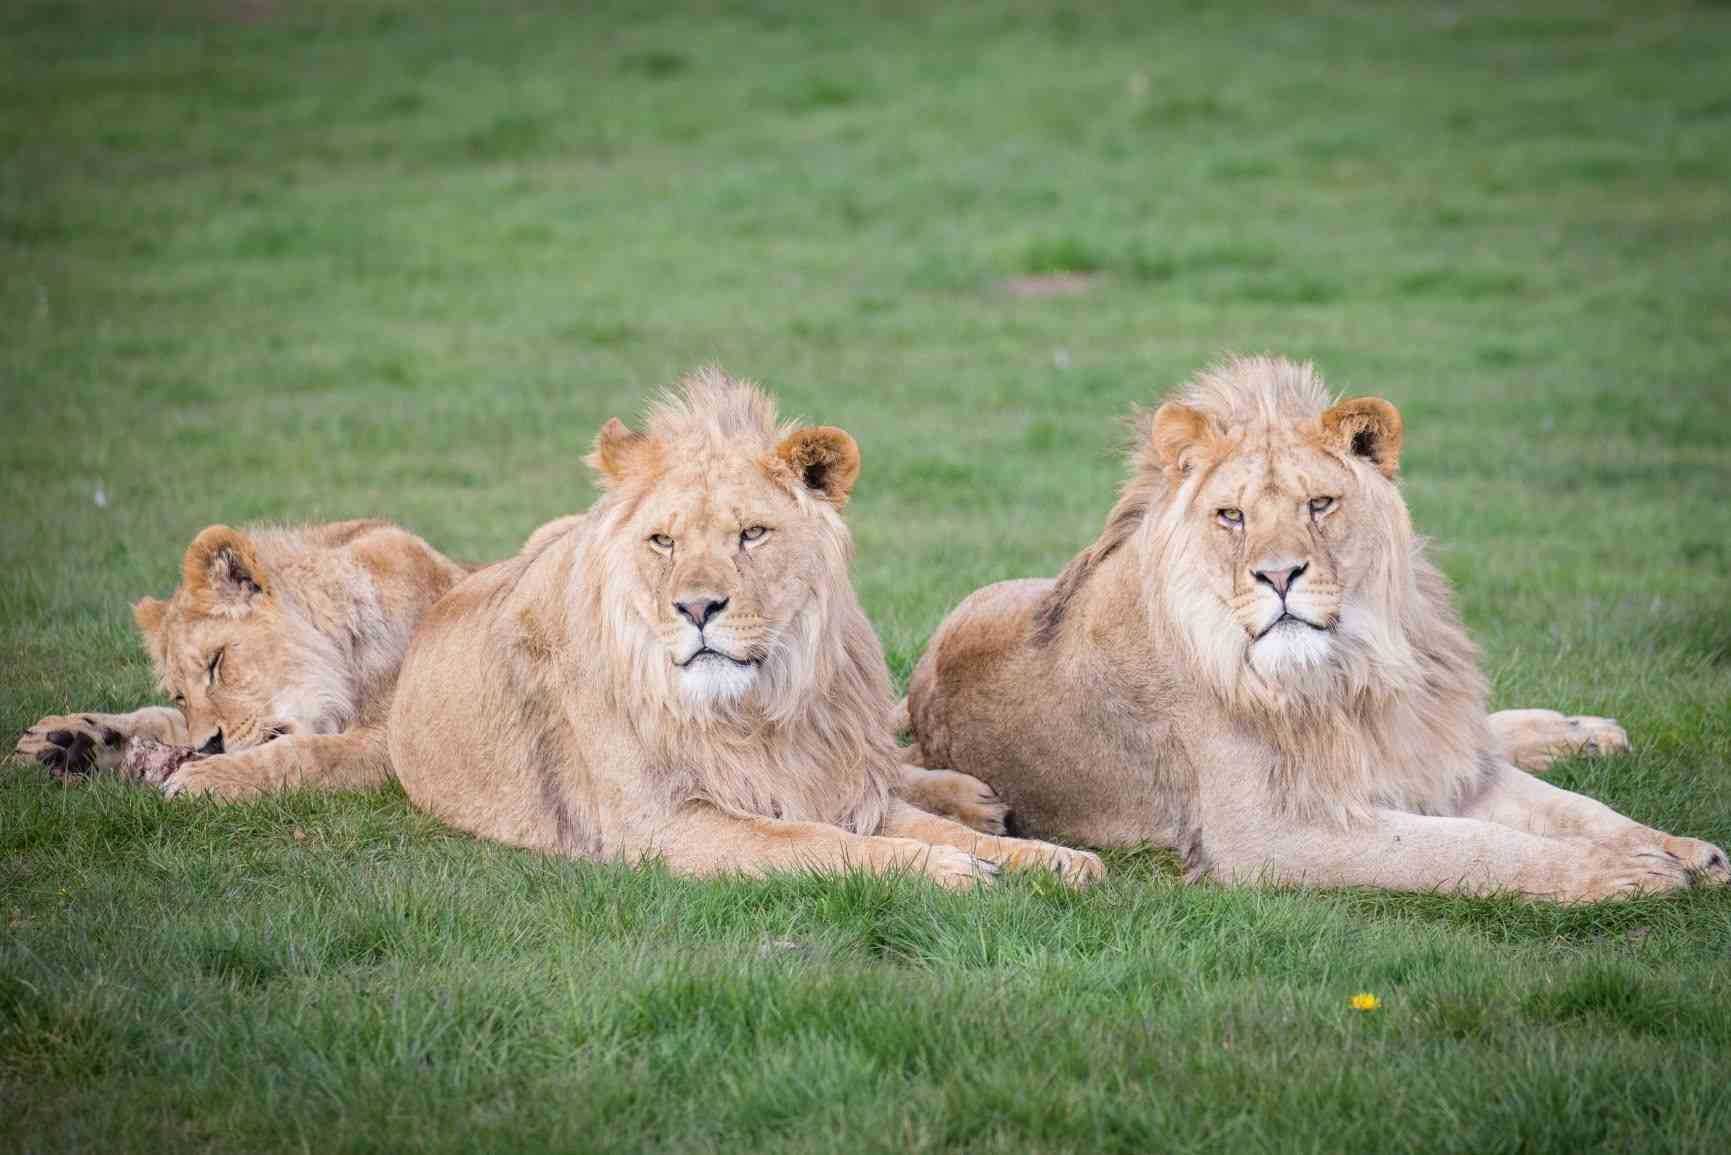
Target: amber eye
[
  {"x": 754, "y": 533},
  {"x": 661, "y": 541},
  {"x": 1320, "y": 505},
  {"x": 1231, "y": 517},
  {"x": 213, "y": 668}
]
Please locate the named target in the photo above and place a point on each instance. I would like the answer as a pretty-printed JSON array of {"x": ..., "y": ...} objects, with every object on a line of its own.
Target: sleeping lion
[
  {"x": 1257, "y": 665},
  {"x": 278, "y": 651},
  {"x": 683, "y": 671}
]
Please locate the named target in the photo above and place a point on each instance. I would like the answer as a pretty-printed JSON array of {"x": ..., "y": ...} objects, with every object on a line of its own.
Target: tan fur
[
  {"x": 1153, "y": 692},
  {"x": 655, "y": 677},
  {"x": 311, "y": 624}
]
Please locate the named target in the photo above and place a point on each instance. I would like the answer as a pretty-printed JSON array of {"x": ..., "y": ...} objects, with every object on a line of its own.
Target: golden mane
[
  {"x": 1406, "y": 676},
  {"x": 814, "y": 741}
]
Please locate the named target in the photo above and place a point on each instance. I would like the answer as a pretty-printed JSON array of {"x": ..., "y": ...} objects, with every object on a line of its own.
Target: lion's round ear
[
  {"x": 221, "y": 568},
  {"x": 1366, "y": 427},
  {"x": 1183, "y": 438},
  {"x": 824, "y": 459},
  {"x": 619, "y": 451},
  {"x": 147, "y": 615}
]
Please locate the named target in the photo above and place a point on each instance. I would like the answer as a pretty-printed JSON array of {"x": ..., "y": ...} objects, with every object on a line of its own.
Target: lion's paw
[
  {"x": 1704, "y": 860},
  {"x": 1615, "y": 872},
  {"x": 1078, "y": 868},
  {"x": 1535, "y": 739},
  {"x": 219, "y": 776},
  {"x": 956, "y": 869},
  {"x": 970, "y": 801},
  {"x": 70, "y": 744}
]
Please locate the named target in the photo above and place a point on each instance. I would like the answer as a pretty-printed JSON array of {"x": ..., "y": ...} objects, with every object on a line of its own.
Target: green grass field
[{"x": 314, "y": 260}]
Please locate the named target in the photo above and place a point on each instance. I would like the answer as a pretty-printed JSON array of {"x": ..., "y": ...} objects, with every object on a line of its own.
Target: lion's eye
[
  {"x": 661, "y": 541},
  {"x": 214, "y": 668},
  {"x": 179, "y": 700},
  {"x": 754, "y": 533},
  {"x": 1232, "y": 517},
  {"x": 1320, "y": 505}
]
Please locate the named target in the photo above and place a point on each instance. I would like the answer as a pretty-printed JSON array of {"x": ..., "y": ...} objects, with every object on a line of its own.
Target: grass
[{"x": 318, "y": 260}]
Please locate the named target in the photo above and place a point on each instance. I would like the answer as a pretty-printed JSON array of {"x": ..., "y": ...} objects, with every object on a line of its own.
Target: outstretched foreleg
[{"x": 74, "y": 744}]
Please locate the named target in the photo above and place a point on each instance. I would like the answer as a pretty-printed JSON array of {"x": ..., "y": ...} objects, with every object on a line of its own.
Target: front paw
[
  {"x": 1591, "y": 737},
  {"x": 1706, "y": 862},
  {"x": 1535, "y": 739},
  {"x": 955, "y": 869},
  {"x": 1607, "y": 872},
  {"x": 968, "y": 800},
  {"x": 70, "y": 745},
  {"x": 1078, "y": 868},
  {"x": 221, "y": 776}
]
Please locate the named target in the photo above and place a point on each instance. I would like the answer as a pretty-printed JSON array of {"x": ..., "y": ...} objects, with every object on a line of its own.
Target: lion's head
[
  {"x": 723, "y": 556},
  {"x": 241, "y": 666},
  {"x": 1285, "y": 551}
]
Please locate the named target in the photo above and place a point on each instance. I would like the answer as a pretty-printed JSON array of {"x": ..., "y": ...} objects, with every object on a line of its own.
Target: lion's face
[
  {"x": 722, "y": 569},
  {"x": 239, "y": 669},
  {"x": 1287, "y": 532},
  {"x": 725, "y": 555}
]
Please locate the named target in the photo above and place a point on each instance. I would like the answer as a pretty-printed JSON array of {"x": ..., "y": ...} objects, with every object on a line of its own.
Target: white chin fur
[
  {"x": 1290, "y": 649},
  {"x": 716, "y": 681}
]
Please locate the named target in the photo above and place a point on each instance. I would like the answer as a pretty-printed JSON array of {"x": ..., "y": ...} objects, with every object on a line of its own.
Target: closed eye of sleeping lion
[
  {"x": 1257, "y": 665},
  {"x": 279, "y": 651},
  {"x": 683, "y": 671}
]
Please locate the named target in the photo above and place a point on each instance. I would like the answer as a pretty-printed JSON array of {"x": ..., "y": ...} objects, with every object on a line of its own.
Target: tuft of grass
[{"x": 329, "y": 260}]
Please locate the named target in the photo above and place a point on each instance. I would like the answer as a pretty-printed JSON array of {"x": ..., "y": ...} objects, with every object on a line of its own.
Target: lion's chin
[
  {"x": 711, "y": 679},
  {"x": 1290, "y": 649}
]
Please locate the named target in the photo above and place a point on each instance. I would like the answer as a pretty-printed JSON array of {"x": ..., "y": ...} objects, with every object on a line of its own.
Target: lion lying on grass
[
  {"x": 279, "y": 651},
  {"x": 683, "y": 671},
  {"x": 1257, "y": 665}
]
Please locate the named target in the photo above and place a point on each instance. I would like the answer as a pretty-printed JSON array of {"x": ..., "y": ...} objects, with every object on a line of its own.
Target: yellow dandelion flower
[{"x": 1364, "y": 1001}]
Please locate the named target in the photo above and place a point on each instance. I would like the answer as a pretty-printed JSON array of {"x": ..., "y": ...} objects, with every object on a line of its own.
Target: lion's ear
[
  {"x": 824, "y": 459},
  {"x": 221, "y": 568},
  {"x": 1183, "y": 437},
  {"x": 619, "y": 451},
  {"x": 147, "y": 615},
  {"x": 1366, "y": 427}
]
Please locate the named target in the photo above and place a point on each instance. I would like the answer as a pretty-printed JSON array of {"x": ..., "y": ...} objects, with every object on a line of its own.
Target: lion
[
  {"x": 279, "y": 651},
  {"x": 1257, "y": 665},
  {"x": 683, "y": 672}
]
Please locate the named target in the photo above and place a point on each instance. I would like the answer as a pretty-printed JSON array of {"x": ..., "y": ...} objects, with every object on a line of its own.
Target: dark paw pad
[{"x": 68, "y": 754}]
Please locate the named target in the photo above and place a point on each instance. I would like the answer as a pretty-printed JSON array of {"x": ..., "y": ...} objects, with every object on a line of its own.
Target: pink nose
[
  {"x": 1279, "y": 576},
  {"x": 698, "y": 611}
]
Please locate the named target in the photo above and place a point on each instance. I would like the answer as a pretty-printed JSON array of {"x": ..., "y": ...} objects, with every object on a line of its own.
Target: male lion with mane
[
  {"x": 279, "y": 651},
  {"x": 684, "y": 670},
  {"x": 1257, "y": 665}
]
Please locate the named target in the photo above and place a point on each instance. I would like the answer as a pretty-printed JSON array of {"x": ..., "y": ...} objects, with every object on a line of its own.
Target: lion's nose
[
  {"x": 1280, "y": 576},
  {"x": 698, "y": 611},
  {"x": 212, "y": 745}
]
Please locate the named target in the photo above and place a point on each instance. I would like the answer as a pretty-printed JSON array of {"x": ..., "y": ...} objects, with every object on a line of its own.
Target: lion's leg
[
  {"x": 1077, "y": 867},
  {"x": 953, "y": 795},
  {"x": 701, "y": 840},
  {"x": 1533, "y": 739},
  {"x": 78, "y": 743},
  {"x": 356, "y": 759},
  {"x": 1523, "y": 802},
  {"x": 1395, "y": 850}
]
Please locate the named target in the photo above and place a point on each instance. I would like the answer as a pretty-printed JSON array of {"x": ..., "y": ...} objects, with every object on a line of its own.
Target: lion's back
[{"x": 967, "y": 665}]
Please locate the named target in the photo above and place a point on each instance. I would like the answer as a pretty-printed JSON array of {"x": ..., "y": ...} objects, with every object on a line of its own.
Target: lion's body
[
  {"x": 682, "y": 671},
  {"x": 1257, "y": 665},
  {"x": 281, "y": 649}
]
